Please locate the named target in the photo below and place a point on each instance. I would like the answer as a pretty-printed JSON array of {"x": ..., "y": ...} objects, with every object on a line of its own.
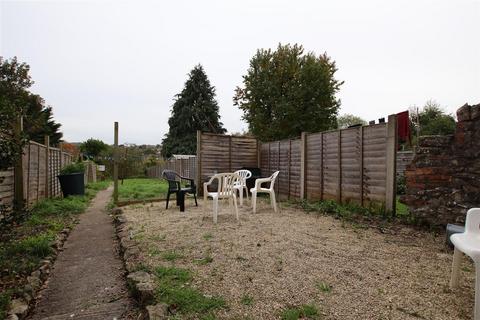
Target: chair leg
[
  {"x": 241, "y": 196},
  {"x": 168, "y": 198},
  {"x": 195, "y": 196},
  {"x": 246, "y": 191},
  {"x": 204, "y": 204},
  {"x": 477, "y": 291},
  {"x": 457, "y": 259},
  {"x": 215, "y": 210},
  {"x": 274, "y": 202},
  {"x": 235, "y": 205},
  {"x": 254, "y": 201}
]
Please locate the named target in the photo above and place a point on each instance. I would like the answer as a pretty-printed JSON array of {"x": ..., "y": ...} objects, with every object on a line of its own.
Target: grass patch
[
  {"x": 303, "y": 312},
  {"x": 174, "y": 289},
  {"x": 347, "y": 211},
  {"x": 324, "y": 287},
  {"x": 402, "y": 209},
  {"x": 99, "y": 185},
  {"x": 358, "y": 216},
  {"x": 171, "y": 255},
  {"x": 207, "y": 236},
  {"x": 246, "y": 300},
  {"x": 207, "y": 258},
  {"x": 5, "y": 298},
  {"x": 142, "y": 189}
]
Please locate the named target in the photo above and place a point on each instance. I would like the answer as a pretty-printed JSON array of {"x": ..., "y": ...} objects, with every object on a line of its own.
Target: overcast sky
[{"x": 96, "y": 62}]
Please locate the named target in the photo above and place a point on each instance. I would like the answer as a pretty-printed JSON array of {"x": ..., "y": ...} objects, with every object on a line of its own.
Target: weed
[
  {"x": 246, "y": 300},
  {"x": 171, "y": 255},
  {"x": 153, "y": 251},
  {"x": 5, "y": 298},
  {"x": 302, "y": 312},
  {"x": 324, "y": 287},
  {"x": 207, "y": 236},
  {"x": 158, "y": 237},
  {"x": 142, "y": 267},
  {"x": 207, "y": 258},
  {"x": 467, "y": 269}
]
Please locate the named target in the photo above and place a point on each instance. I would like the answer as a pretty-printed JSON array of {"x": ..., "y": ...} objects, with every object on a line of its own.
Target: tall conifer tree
[{"x": 195, "y": 108}]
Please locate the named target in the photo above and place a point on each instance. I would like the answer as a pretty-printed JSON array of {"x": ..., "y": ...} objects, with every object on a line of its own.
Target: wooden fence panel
[
  {"x": 294, "y": 170},
  {"x": 314, "y": 172},
  {"x": 330, "y": 167},
  {"x": 215, "y": 154},
  {"x": 6, "y": 188},
  {"x": 222, "y": 153},
  {"x": 243, "y": 152},
  {"x": 36, "y": 177},
  {"x": 348, "y": 165},
  {"x": 351, "y": 165},
  {"x": 374, "y": 162}
]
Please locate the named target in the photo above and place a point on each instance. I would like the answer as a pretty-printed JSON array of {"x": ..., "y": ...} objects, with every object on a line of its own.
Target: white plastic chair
[
  {"x": 468, "y": 243},
  {"x": 242, "y": 184},
  {"x": 225, "y": 190},
  {"x": 258, "y": 189}
]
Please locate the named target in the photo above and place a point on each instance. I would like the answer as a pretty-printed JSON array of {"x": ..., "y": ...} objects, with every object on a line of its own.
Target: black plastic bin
[
  {"x": 256, "y": 173},
  {"x": 72, "y": 184}
]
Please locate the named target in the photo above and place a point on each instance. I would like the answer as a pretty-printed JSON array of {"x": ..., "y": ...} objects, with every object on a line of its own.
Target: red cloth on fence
[{"x": 403, "y": 126}]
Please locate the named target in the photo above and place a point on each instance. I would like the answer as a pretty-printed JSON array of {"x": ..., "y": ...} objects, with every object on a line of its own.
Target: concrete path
[{"x": 87, "y": 278}]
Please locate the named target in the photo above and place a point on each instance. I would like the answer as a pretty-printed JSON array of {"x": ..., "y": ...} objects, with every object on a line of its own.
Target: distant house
[{"x": 182, "y": 156}]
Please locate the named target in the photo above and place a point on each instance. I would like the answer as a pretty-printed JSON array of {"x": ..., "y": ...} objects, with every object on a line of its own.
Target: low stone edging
[{"x": 140, "y": 283}]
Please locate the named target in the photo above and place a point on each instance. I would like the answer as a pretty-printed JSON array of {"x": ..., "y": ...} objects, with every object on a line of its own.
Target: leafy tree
[
  {"x": 14, "y": 82},
  {"x": 38, "y": 121},
  {"x": 195, "y": 108},
  {"x": 287, "y": 91},
  {"x": 433, "y": 120},
  {"x": 347, "y": 120},
  {"x": 93, "y": 147}
]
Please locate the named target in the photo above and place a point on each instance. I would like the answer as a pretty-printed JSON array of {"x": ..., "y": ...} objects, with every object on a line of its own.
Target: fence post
[
  {"x": 361, "y": 164},
  {"x": 303, "y": 167},
  {"x": 322, "y": 173},
  {"x": 230, "y": 153},
  {"x": 47, "y": 167},
  {"x": 199, "y": 163},
  {"x": 339, "y": 191},
  {"x": 115, "y": 163},
  {"x": 390, "y": 196},
  {"x": 19, "y": 200}
]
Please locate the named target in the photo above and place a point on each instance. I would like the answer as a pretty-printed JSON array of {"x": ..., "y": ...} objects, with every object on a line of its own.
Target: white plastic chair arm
[{"x": 259, "y": 182}]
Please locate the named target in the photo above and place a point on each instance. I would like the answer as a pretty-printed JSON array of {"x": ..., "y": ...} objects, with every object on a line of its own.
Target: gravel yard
[{"x": 267, "y": 263}]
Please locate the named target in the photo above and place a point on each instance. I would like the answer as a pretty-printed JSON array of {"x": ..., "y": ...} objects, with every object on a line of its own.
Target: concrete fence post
[
  {"x": 391, "y": 182},
  {"x": 303, "y": 166}
]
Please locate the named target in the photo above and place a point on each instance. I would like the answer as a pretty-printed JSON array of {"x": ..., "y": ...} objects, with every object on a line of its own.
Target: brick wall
[{"x": 443, "y": 180}]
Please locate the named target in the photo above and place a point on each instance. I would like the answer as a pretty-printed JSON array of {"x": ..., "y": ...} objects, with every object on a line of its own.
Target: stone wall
[{"x": 443, "y": 180}]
